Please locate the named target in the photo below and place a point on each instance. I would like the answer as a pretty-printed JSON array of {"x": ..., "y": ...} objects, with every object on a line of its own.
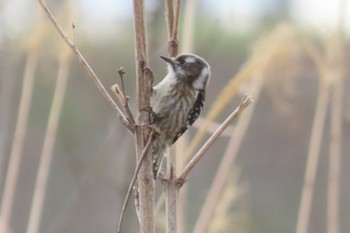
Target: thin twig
[
  {"x": 132, "y": 182},
  {"x": 243, "y": 105},
  {"x": 212, "y": 126},
  {"x": 125, "y": 101},
  {"x": 121, "y": 73},
  {"x": 73, "y": 32},
  {"x": 86, "y": 66}
]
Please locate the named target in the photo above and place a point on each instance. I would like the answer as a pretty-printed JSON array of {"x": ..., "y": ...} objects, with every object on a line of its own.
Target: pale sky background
[{"x": 17, "y": 15}]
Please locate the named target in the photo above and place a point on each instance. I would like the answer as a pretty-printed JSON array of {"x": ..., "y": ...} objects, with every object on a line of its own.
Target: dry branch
[
  {"x": 144, "y": 79},
  {"x": 86, "y": 66},
  {"x": 171, "y": 188}
]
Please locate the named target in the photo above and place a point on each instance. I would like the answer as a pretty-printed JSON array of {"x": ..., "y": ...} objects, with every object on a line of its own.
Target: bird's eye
[{"x": 181, "y": 60}]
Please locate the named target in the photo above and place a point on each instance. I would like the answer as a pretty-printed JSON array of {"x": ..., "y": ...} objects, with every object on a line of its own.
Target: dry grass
[
  {"x": 265, "y": 52},
  {"x": 51, "y": 131},
  {"x": 15, "y": 158}
]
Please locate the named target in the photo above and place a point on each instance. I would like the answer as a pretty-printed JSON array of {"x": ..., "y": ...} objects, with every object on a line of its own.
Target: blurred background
[{"x": 290, "y": 55}]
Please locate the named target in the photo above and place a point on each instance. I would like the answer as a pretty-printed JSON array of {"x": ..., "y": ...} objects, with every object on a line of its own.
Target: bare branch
[
  {"x": 171, "y": 187},
  {"x": 122, "y": 97},
  {"x": 169, "y": 16},
  {"x": 144, "y": 79},
  {"x": 243, "y": 105},
  {"x": 86, "y": 66},
  {"x": 176, "y": 19},
  {"x": 173, "y": 22},
  {"x": 121, "y": 73}
]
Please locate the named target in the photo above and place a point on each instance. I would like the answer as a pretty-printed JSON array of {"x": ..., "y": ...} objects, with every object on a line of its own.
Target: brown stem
[
  {"x": 171, "y": 190},
  {"x": 145, "y": 181},
  {"x": 173, "y": 22},
  {"x": 171, "y": 187}
]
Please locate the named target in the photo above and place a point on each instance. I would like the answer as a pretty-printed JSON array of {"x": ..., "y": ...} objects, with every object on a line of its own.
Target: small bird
[{"x": 177, "y": 101}]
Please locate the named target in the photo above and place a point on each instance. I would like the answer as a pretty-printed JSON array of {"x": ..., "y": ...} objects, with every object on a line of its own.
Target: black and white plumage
[{"x": 177, "y": 101}]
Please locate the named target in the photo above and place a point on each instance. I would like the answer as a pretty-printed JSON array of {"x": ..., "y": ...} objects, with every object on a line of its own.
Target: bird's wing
[{"x": 193, "y": 113}]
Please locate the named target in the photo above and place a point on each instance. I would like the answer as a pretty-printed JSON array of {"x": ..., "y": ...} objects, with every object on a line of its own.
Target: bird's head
[{"x": 190, "y": 69}]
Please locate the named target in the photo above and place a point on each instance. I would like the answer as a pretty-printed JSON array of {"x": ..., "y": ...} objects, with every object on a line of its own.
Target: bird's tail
[{"x": 158, "y": 151}]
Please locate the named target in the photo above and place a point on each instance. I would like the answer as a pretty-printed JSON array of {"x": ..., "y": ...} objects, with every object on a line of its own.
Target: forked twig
[
  {"x": 122, "y": 97},
  {"x": 243, "y": 105},
  {"x": 121, "y": 73},
  {"x": 86, "y": 66},
  {"x": 131, "y": 185}
]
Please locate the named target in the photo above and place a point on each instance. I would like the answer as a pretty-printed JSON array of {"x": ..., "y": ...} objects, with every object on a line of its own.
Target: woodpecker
[{"x": 177, "y": 101}]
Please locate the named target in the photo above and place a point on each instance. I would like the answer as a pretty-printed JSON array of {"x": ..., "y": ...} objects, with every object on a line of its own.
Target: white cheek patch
[
  {"x": 190, "y": 60},
  {"x": 205, "y": 72},
  {"x": 202, "y": 80}
]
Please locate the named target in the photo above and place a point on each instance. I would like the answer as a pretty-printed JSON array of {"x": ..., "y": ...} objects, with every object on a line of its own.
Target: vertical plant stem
[
  {"x": 226, "y": 163},
  {"x": 169, "y": 12},
  {"x": 145, "y": 180},
  {"x": 48, "y": 146},
  {"x": 172, "y": 16},
  {"x": 182, "y": 143},
  {"x": 336, "y": 128},
  {"x": 189, "y": 18},
  {"x": 181, "y": 200},
  {"x": 18, "y": 141},
  {"x": 170, "y": 182},
  {"x": 312, "y": 157},
  {"x": 334, "y": 157},
  {"x": 171, "y": 190}
]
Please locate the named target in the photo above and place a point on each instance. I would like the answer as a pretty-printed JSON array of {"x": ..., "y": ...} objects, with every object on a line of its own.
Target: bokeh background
[{"x": 93, "y": 154}]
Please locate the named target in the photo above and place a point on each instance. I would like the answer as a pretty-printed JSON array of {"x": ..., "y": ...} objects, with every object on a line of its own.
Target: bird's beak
[{"x": 168, "y": 60}]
